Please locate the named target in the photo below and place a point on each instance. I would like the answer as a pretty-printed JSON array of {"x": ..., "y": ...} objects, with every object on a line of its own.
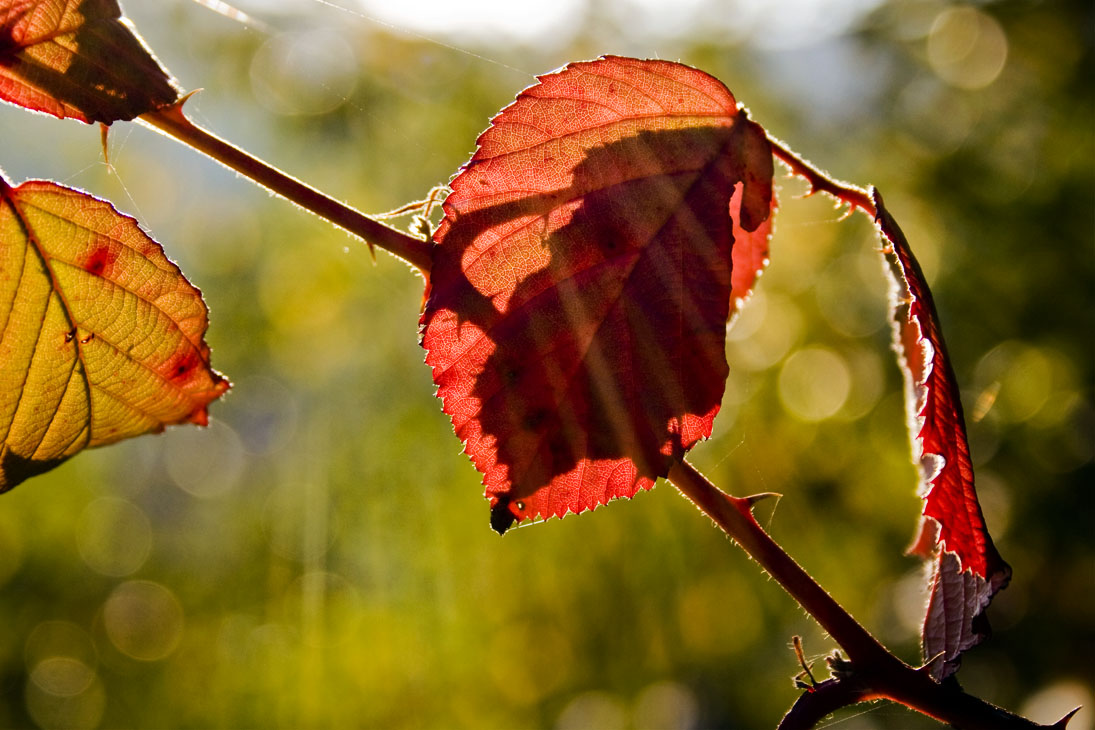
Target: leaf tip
[
  {"x": 501, "y": 516},
  {"x": 220, "y": 386}
]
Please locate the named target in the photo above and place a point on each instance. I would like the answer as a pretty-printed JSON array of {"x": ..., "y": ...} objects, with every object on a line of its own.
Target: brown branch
[
  {"x": 174, "y": 123},
  {"x": 735, "y": 516},
  {"x": 872, "y": 671},
  {"x": 819, "y": 702}
]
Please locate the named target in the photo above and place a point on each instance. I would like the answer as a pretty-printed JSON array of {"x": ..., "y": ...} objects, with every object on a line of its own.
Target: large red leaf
[
  {"x": 78, "y": 59},
  {"x": 968, "y": 569},
  {"x": 582, "y": 280}
]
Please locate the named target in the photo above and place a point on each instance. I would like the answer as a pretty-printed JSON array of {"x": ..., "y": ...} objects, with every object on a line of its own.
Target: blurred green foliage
[{"x": 320, "y": 556}]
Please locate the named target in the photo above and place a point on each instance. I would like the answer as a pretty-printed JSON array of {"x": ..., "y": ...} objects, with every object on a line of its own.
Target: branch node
[{"x": 842, "y": 669}]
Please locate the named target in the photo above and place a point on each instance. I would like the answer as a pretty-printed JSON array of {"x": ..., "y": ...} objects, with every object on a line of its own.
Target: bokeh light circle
[
  {"x": 814, "y": 383},
  {"x": 967, "y": 47},
  {"x": 114, "y": 537},
  {"x": 143, "y": 620}
]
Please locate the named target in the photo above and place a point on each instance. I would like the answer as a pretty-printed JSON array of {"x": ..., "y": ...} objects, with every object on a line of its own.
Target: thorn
[
  {"x": 1063, "y": 722},
  {"x": 186, "y": 97},
  {"x": 104, "y": 130},
  {"x": 755, "y": 498},
  {"x": 752, "y": 501},
  {"x": 932, "y": 666}
]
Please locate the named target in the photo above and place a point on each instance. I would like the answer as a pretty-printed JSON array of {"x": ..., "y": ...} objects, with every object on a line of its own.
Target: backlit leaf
[
  {"x": 78, "y": 59},
  {"x": 968, "y": 571},
  {"x": 101, "y": 336},
  {"x": 582, "y": 280}
]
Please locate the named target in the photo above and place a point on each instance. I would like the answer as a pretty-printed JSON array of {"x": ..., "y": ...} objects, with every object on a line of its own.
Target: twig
[
  {"x": 174, "y": 123},
  {"x": 853, "y": 195},
  {"x": 872, "y": 671}
]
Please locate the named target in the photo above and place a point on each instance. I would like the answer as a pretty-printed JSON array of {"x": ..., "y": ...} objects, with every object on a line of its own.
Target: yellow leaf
[{"x": 101, "y": 336}]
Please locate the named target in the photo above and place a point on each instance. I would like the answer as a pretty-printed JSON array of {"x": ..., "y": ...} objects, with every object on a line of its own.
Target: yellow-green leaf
[
  {"x": 101, "y": 336},
  {"x": 78, "y": 60}
]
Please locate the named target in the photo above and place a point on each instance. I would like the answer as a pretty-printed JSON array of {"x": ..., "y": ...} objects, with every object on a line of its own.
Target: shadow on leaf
[{"x": 581, "y": 378}]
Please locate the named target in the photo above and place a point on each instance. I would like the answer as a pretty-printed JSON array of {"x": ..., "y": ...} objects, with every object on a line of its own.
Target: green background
[{"x": 320, "y": 556}]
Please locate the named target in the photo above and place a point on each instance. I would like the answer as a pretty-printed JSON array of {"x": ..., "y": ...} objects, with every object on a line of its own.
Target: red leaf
[
  {"x": 582, "y": 278},
  {"x": 78, "y": 60},
  {"x": 964, "y": 584}
]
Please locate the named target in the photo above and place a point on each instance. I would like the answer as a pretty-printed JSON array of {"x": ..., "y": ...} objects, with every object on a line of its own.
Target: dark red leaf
[
  {"x": 78, "y": 59},
  {"x": 582, "y": 279},
  {"x": 969, "y": 570}
]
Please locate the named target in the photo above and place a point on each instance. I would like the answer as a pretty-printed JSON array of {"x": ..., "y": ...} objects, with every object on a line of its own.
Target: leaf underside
[
  {"x": 582, "y": 280},
  {"x": 101, "y": 336},
  {"x": 78, "y": 59},
  {"x": 968, "y": 571}
]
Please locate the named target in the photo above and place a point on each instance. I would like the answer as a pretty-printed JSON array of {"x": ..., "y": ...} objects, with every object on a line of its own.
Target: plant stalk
[
  {"x": 735, "y": 516},
  {"x": 872, "y": 672},
  {"x": 174, "y": 123},
  {"x": 853, "y": 195}
]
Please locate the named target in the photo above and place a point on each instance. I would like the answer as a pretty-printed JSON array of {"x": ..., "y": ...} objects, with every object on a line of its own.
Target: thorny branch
[{"x": 871, "y": 671}]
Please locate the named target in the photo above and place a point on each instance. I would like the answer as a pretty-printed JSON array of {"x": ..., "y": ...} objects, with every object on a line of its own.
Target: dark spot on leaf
[
  {"x": 99, "y": 261},
  {"x": 70, "y": 335},
  {"x": 180, "y": 366}
]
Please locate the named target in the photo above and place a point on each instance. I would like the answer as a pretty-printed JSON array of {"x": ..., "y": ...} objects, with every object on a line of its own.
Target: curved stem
[
  {"x": 819, "y": 702},
  {"x": 872, "y": 671},
  {"x": 174, "y": 123},
  {"x": 853, "y": 195}
]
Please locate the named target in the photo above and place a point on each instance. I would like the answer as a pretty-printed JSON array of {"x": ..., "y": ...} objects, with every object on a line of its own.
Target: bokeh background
[{"x": 320, "y": 555}]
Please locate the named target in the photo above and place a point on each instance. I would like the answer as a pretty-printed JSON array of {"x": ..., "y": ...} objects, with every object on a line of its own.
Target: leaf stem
[
  {"x": 872, "y": 672},
  {"x": 853, "y": 195},
  {"x": 174, "y": 123}
]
